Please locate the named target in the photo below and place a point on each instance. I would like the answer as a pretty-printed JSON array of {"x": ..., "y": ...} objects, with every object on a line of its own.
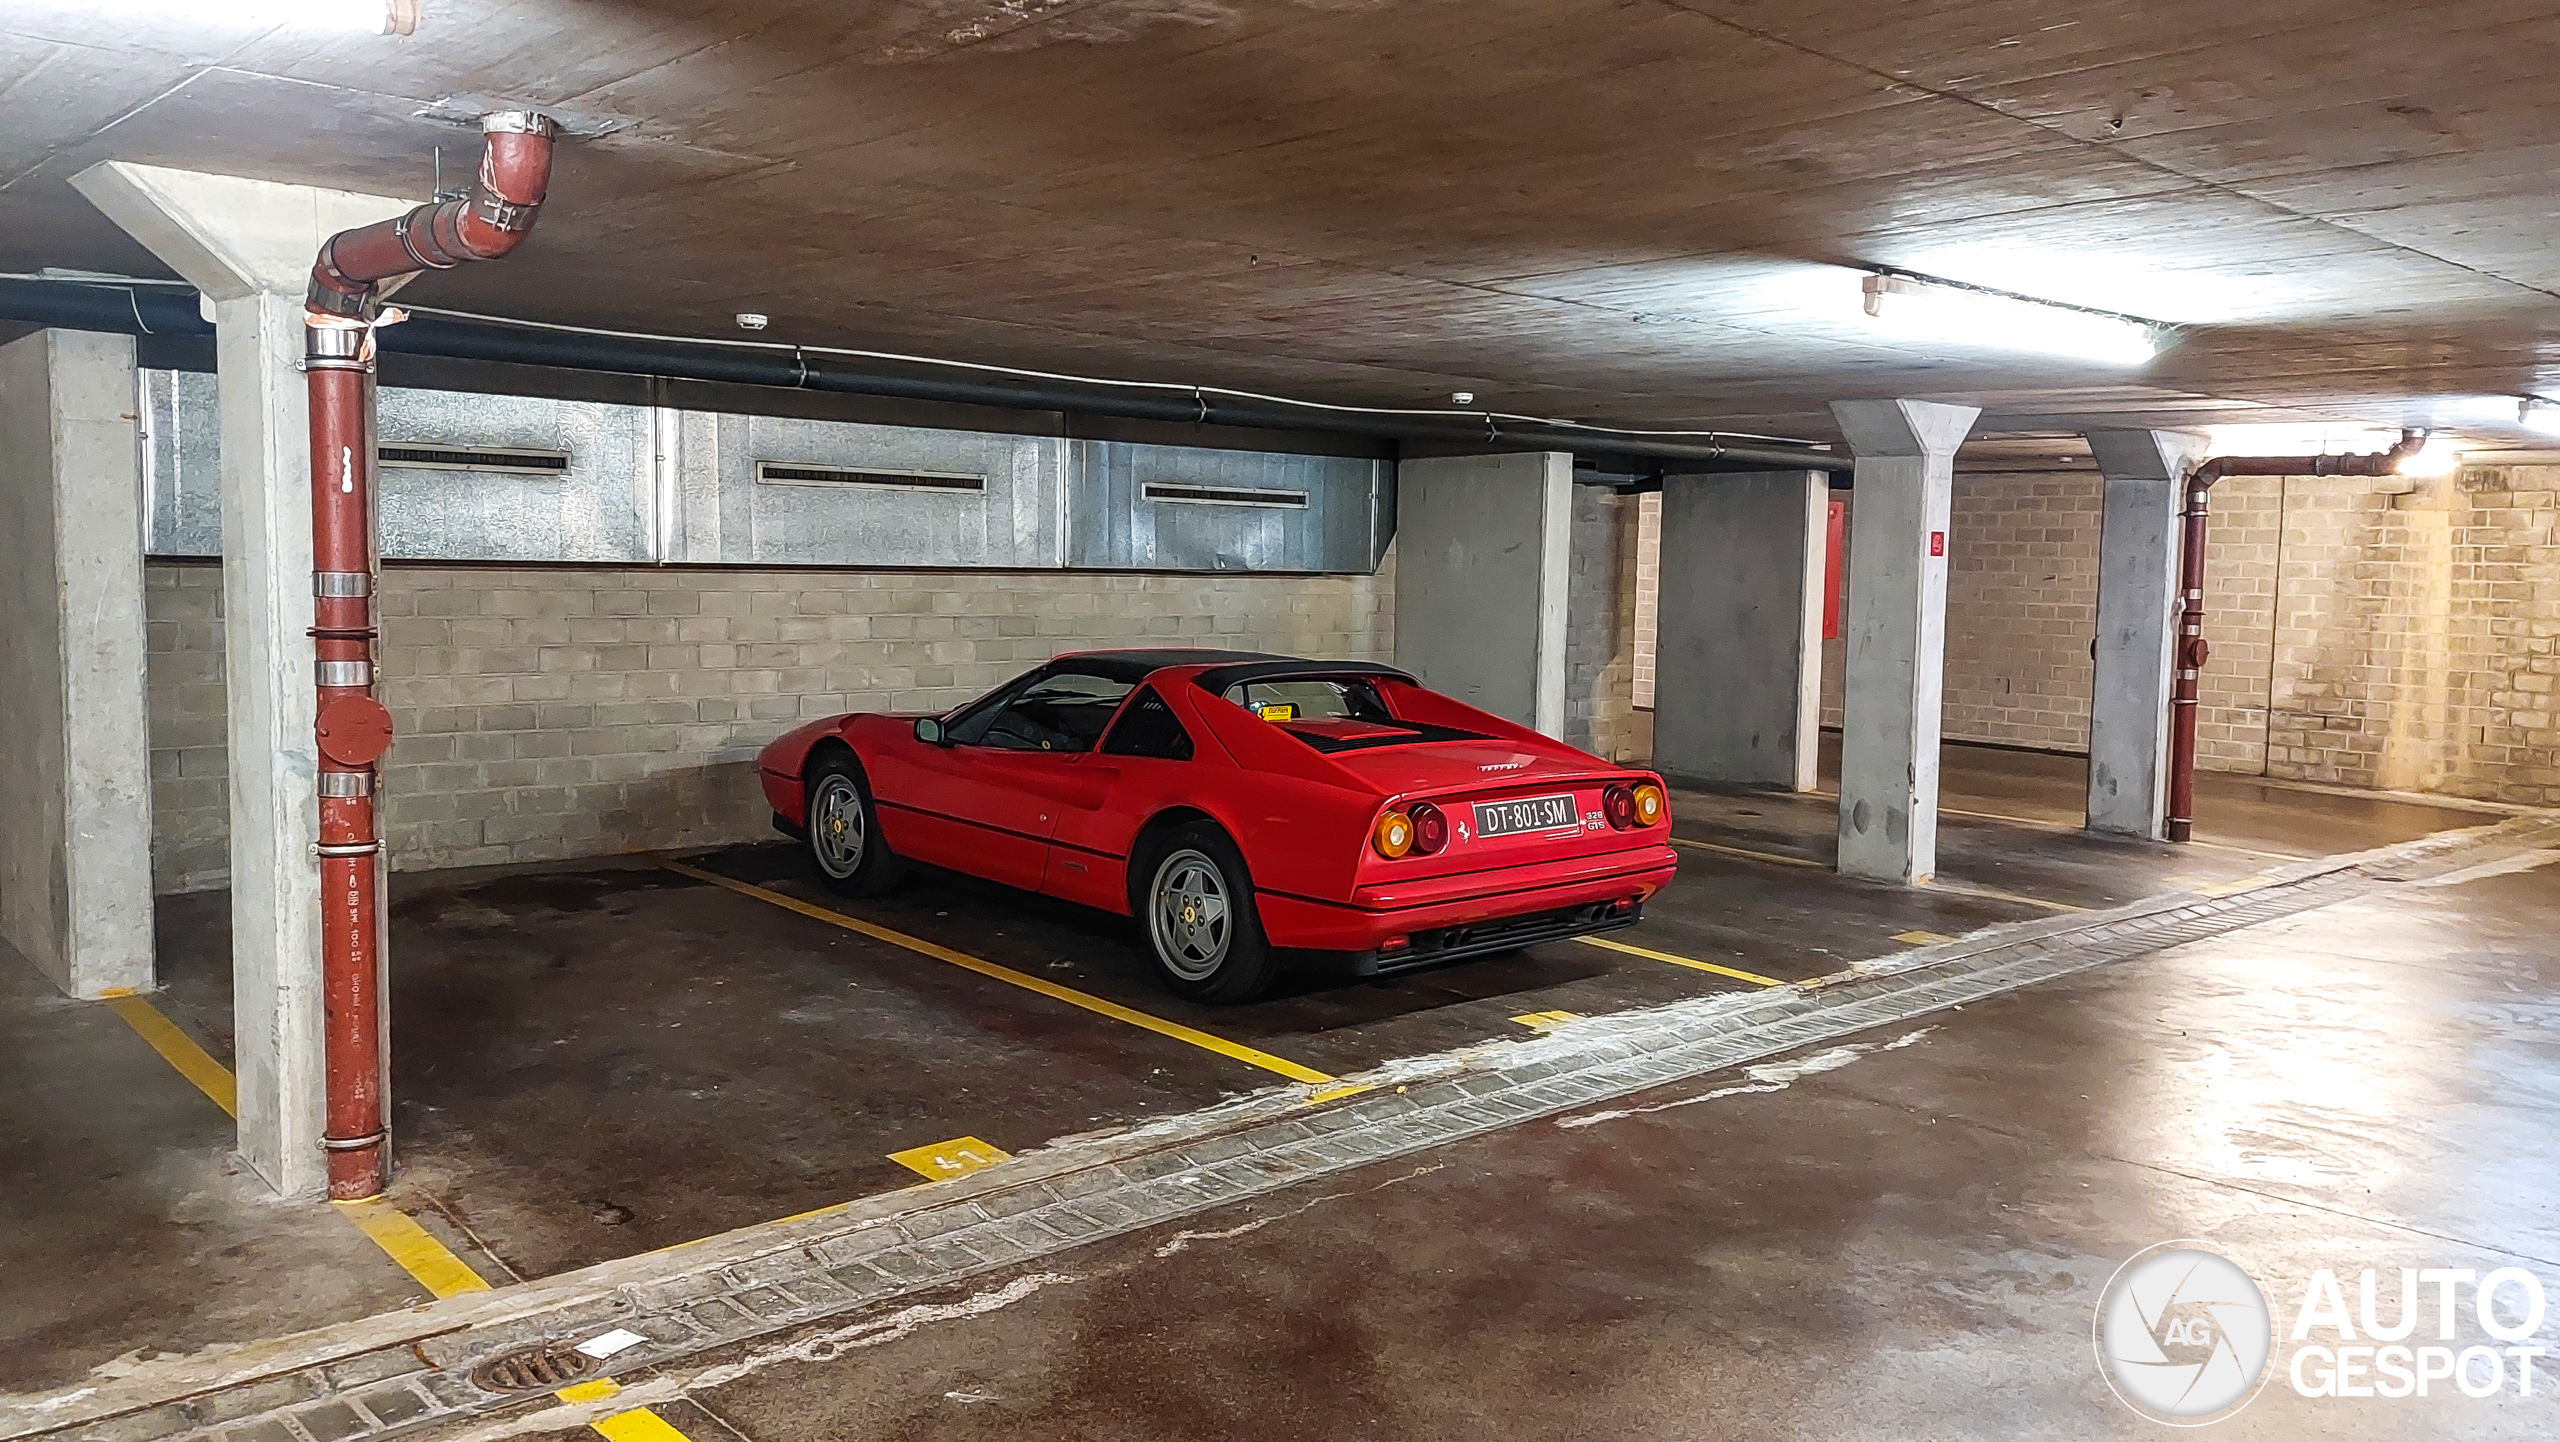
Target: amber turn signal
[
  {"x": 1394, "y": 835},
  {"x": 1650, "y": 805}
]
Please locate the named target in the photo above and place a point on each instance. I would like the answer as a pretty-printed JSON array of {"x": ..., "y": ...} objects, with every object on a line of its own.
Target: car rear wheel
[
  {"x": 852, "y": 857},
  {"x": 1196, "y": 902}
]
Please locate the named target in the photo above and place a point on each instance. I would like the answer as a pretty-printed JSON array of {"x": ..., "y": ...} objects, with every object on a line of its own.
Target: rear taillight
[
  {"x": 1393, "y": 836},
  {"x": 1618, "y": 803},
  {"x": 1430, "y": 829},
  {"x": 1651, "y": 807}
]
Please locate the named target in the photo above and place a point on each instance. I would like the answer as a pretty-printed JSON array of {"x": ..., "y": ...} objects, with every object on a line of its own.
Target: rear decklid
[{"x": 1488, "y": 766}]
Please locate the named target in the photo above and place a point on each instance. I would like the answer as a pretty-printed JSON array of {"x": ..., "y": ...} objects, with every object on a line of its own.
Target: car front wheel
[
  {"x": 852, "y": 857},
  {"x": 1203, "y": 930}
]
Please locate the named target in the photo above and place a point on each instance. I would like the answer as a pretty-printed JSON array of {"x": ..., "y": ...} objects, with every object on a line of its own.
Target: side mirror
[{"x": 929, "y": 731}]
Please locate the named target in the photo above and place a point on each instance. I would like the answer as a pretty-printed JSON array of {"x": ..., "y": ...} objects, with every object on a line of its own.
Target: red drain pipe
[
  {"x": 2192, "y": 650},
  {"x": 354, "y": 730}
]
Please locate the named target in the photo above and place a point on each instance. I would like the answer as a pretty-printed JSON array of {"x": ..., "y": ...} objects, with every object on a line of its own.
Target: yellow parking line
[
  {"x": 401, "y": 1239},
  {"x": 2042, "y": 823},
  {"x": 1541, "y": 1020},
  {"x": 1981, "y": 891},
  {"x": 1750, "y": 976},
  {"x": 192, "y": 1061},
  {"x": 1072, "y": 997},
  {"x": 429, "y": 1261},
  {"x": 1921, "y": 938},
  {"x": 1749, "y": 855},
  {"x": 1988, "y": 894},
  {"x": 638, "y": 1425}
]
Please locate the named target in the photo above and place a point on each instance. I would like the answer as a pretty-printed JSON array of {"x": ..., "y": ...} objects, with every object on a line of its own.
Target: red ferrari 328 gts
[{"x": 1239, "y": 805}]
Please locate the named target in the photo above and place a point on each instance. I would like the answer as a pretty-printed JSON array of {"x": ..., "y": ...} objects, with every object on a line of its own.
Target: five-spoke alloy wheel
[
  {"x": 1196, "y": 902},
  {"x": 844, "y": 830}
]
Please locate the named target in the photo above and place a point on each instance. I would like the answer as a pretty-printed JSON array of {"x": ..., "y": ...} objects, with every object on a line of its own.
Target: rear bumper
[
  {"x": 1487, "y": 900},
  {"x": 1457, "y": 943}
]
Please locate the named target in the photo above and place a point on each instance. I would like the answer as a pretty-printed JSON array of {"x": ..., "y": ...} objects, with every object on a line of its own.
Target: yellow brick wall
[{"x": 574, "y": 711}]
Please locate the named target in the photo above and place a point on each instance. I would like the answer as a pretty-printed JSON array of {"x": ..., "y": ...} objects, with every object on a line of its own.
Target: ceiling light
[
  {"x": 751, "y": 320},
  {"x": 369, "y": 17},
  {"x": 2436, "y": 458},
  {"x": 2284, "y": 439},
  {"x": 2536, "y": 414},
  {"x": 1964, "y": 315},
  {"x": 1462, "y": 398}
]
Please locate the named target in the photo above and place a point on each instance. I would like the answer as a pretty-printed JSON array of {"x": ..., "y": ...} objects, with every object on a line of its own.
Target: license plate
[{"x": 1536, "y": 813}]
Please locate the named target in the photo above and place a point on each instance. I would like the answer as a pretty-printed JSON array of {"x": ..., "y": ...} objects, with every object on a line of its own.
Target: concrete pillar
[
  {"x": 1897, "y": 632},
  {"x": 248, "y": 245},
  {"x": 75, "y": 742},
  {"x": 1738, "y": 636},
  {"x": 1484, "y": 553},
  {"x": 2131, "y": 679}
]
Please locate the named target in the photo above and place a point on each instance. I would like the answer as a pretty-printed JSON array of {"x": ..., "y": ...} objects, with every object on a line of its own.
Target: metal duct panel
[
  {"x": 181, "y": 464},
  {"x": 644, "y": 484},
  {"x": 724, "y": 513},
  {"x": 1322, "y": 512},
  {"x": 594, "y": 509}
]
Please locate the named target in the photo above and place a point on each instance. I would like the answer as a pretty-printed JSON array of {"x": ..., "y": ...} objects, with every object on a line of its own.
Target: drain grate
[{"x": 544, "y": 1368}]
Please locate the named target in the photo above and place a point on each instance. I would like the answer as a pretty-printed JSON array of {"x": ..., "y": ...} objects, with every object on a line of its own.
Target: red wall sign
[
  {"x": 1835, "y": 576},
  {"x": 1937, "y": 543}
]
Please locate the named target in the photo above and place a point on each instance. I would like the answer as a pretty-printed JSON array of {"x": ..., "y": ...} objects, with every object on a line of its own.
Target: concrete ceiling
[{"x": 1638, "y": 212}]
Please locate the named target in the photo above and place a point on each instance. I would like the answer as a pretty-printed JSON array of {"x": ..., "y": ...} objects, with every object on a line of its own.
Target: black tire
[
  {"x": 845, "y": 846},
  {"x": 1194, "y": 902}
]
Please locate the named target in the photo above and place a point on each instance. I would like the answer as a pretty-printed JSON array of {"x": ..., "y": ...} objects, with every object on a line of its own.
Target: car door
[
  {"x": 988, "y": 801},
  {"x": 1141, "y": 766}
]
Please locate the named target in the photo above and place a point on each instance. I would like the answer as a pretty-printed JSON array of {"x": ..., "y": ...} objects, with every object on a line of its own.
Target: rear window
[
  {"x": 1148, "y": 727},
  {"x": 1330, "y": 715}
]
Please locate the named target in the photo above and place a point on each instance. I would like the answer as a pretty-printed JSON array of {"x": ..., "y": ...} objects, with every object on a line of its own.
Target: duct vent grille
[
  {"x": 795, "y": 473},
  {"x": 1267, "y": 496},
  {"x": 506, "y": 460}
]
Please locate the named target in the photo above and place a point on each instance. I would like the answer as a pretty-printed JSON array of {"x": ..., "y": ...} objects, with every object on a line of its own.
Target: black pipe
[{"x": 137, "y": 310}]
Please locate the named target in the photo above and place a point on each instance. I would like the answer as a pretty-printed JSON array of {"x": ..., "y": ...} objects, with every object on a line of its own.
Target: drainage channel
[{"x": 410, "y": 1372}]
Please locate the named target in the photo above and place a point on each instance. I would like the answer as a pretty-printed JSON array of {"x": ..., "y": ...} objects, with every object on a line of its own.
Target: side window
[
  {"x": 1063, "y": 711},
  {"x": 1148, "y": 727},
  {"x": 969, "y": 728}
]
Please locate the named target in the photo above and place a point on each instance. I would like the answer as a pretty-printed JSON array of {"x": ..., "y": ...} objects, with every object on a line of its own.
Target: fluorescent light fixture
[
  {"x": 1950, "y": 314},
  {"x": 2536, "y": 414},
  {"x": 367, "y": 17},
  {"x": 2285, "y": 439}
]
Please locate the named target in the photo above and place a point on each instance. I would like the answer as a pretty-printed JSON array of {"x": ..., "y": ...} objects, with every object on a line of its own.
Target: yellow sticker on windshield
[{"x": 1277, "y": 711}]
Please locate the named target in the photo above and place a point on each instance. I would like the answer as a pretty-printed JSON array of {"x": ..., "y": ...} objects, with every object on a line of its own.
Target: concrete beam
[
  {"x": 1738, "y": 636},
  {"x": 1484, "y": 554},
  {"x": 1897, "y": 632},
  {"x": 75, "y": 765},
  {"x": 249, "y": 246},
  {"x": 231, "y": 237},
  {"x": 2132, "y": 670}
]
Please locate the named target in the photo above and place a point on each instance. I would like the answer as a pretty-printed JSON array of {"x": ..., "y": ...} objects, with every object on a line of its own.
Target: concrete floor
[
  {"x": 1906, "y": 1246},
  {"x": 600, "y": 1060}
]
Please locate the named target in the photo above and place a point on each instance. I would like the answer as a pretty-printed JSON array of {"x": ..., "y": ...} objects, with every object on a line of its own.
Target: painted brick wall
[
  {"x": 560, "y": 712},
  {"x": 2242, "y": 543},
  {"x": 1600, "y": 624},
  {"x": 2022, "y": 597},
  {"x": 2413, "y": 646},
  {"x": 2022, "y": 554}
]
